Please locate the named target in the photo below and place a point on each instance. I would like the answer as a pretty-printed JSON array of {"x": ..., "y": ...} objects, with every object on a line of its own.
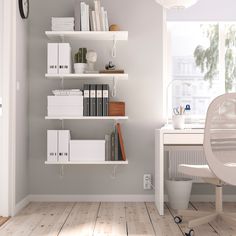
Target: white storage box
[
  {"x": 87, "y": 150},
  {"x": 65, "y": 111},
  {"x": 65, "y": 106},
  {"x": 65, "y": 101}
]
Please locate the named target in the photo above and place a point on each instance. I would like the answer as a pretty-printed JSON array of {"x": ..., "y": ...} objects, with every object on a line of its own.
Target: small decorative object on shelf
[
  {"x": 80, "y": 61},
  {"x": 110, "y": 66},
  {"x": 116, "y": 109},
  {"x": 114, "y": 28},
  {"x": 91, "y": 57}
]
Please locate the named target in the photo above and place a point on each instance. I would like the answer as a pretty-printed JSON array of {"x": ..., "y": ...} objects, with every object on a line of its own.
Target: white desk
[{"x": 167, "y": 137}]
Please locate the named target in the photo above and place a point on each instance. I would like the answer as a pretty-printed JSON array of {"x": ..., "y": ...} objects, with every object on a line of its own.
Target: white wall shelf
[
  {"x": 89, "y": 163},
  {"x": 89, "y": 118},
  {"x": 88, "y": 35},
  {"x": 87, "y": 76}
]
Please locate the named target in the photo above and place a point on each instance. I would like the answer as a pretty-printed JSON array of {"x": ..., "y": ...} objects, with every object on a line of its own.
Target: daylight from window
[{"x": 201, "y": 62}]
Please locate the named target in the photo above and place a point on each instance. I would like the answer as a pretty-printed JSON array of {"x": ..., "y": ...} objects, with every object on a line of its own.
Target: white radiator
[{"x": 185, "y": 157}]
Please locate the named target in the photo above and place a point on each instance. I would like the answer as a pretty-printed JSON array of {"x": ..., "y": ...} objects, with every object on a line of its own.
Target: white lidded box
[
  {"x": 65, "y": 106},
  {"x": 87, "y": 150},
  {"x": 65, "y": 100}
]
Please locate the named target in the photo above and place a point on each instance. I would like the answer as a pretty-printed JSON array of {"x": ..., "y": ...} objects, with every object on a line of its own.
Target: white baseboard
[
  {"x": 209, "y": 198},
  {"x": 109, "y": 198},
  {"x": 20, "y": 205},
  {"x": 92, "y": 198}
]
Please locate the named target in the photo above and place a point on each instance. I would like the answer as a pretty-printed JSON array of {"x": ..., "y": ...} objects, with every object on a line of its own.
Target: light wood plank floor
[
  {"x": 3, "y": 220},
  {"x": 95, "y": 219}
]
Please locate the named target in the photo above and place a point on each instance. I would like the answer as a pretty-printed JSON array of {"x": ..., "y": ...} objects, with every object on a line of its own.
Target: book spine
[
  {"x": 94, "y": 20},
  {"x": 106, "y": 21},
  {"x": 102, "y": 18},
  {"x": 119, "y": 150},
  {"x": 87, "y": 18},
  {"x": 105, "y": 99},
  {"x": 116, "y": 145},
  {"x": 77, "y": 13},
  {"x": 86, "y": 100},
  {"x": 83, "y": 16},
  {"x": 91, "y": 21},
  {"x": 99, "y": 100},
  {"x": 93, "y": 100},
  {"x": 113, "y": 146},
  {"x": 97, "y": 14},
  {"x": 108, "y": 147}
]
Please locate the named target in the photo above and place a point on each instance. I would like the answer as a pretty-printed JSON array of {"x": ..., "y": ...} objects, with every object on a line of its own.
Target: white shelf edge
[
  {"x": 86, "y": 76},
  {"x": 89, "y": 35},
  {"x": 89, "y": 163},
  {"x": 89, "y": 118}
]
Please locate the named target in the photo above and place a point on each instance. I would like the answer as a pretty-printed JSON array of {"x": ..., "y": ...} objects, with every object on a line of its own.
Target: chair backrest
[{"x": 220, "y": 137}]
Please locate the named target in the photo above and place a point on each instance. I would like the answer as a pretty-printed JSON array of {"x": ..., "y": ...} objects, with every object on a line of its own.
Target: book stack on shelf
[
  {"x": 115, "y": 150},
  {"x": 87, "y": 19},
  {"x": 63, "y": 23},
  {"x": 96, "y": 99}
]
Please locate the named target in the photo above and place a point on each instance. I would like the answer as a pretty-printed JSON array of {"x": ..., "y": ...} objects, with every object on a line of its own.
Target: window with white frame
[{"x": 202, "y": 64}]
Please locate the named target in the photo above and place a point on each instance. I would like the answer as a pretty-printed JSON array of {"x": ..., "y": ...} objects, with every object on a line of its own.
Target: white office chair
[{"x": 220, "y": 151}]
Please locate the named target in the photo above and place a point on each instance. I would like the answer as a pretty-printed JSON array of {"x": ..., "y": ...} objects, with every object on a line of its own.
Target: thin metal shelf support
[
  {"x": 62, "y": 172},
  {"x": 114, "y": 47},
  {"x": 113, "y": 175},
  {"x": 113, "y": 93}
]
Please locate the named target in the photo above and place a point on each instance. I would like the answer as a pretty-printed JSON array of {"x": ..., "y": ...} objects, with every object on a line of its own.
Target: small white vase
[
  {"x": 178, "y": 121},
  {"x": 80, "y": 68}
]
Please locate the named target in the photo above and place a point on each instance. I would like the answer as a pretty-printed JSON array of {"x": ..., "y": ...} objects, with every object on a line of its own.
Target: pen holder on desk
[{"x": 178, "y": 121}]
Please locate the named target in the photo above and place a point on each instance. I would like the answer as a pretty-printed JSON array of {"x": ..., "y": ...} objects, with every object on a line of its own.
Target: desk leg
[{"x": 159, "y": 172}]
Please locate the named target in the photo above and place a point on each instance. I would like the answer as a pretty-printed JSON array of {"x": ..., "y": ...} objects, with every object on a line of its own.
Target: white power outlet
[{"x": 147, "y": 181}]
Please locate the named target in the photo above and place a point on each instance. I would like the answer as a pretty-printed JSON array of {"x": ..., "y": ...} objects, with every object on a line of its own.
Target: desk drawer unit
[{"x": 183, "y": 139}]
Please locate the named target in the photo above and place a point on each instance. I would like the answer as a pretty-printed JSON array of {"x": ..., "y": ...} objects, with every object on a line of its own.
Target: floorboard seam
[
  {"x": 150, "y": 218},
  {"x": 66, "y": 218},
  {"x": 97, "y": 217},
  {"x": 174, "y": 220},
  {"x": 126, "y": 222}
]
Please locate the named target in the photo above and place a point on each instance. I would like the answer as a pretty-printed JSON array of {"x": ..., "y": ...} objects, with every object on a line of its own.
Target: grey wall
[
  {"x": 141, "y": 57},
  {"x": 22, "y": 113}
]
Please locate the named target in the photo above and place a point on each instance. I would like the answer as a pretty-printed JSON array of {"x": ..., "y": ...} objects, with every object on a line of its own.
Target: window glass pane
[
  {"x": 194, "y": 66},
  {"x": 230, "y": 57}
]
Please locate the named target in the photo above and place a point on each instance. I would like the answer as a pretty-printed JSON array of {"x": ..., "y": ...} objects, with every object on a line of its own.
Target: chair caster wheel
[
  {"x": 190, "y": 233},
  {"x": 178, "y": 220}
]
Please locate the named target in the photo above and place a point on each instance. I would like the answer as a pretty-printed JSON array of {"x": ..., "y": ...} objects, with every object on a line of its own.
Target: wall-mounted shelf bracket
[
  {"x": 114, "y": 81},
  {"x": 113, "y": 175},
  {"x": 114, "y": 47},
  {"x": 62, "y": 82},
  {"x": 62, "y": 124},
  {"x": 62, "y": 173},
  {"x": 62, "y": 37}
]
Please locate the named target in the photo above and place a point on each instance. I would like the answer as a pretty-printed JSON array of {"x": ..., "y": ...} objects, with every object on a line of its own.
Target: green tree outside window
[{"x": 207, "y": 59}]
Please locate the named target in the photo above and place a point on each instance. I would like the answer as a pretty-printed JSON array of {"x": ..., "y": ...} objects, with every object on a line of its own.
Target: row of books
[
  {"x": 96, "y": 99},
  {"x": 115, "y": 150},
  {"x": 87, "y": 19}
]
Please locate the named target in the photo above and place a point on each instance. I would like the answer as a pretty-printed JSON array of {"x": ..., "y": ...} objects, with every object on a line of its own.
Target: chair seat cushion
[{"x": 196, "y": 170}]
